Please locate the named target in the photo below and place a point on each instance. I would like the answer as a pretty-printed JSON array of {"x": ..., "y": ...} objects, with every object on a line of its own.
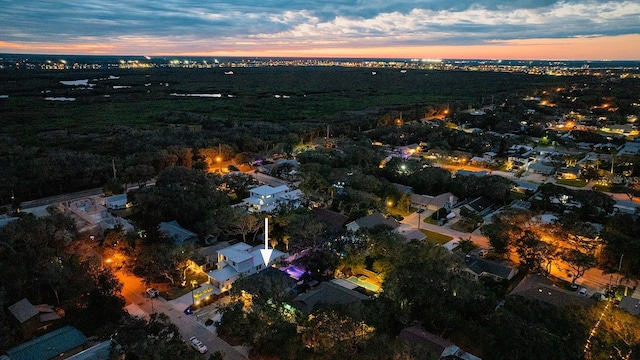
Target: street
[{"x": 133, "y": 290}]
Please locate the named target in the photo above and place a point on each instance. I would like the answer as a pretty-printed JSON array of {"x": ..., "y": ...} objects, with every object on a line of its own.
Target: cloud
[{"x": 232, "y": 25}]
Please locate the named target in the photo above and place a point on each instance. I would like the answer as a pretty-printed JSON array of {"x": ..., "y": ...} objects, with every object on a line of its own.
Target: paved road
[
  {"x": 412, "y": 220},
  {"x": 133, "y": 291}
]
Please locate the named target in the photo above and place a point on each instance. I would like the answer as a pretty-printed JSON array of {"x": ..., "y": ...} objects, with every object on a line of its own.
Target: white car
[
  {"x": 198, "y": 345},
  {"x": 152, "y": 292}
]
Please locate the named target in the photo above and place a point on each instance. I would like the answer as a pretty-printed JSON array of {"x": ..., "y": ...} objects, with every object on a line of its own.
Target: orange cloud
[{"x": 623, "y": 47}]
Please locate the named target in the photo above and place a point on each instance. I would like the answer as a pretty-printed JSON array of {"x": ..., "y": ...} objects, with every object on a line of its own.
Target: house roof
[
  {"x": 454, "y": 352},
  {"x": 177, "y": 232},
  {"x": 413, "y": 235},
  {"x": 97, "y": 352},
  {"x": 23, "y": 310},
  {"x": 237, "y": 252},
  {"x": 540, "y": 288},
  {"x": 257, "y": 255},
  {"x": 48, "y": 345},
  {"x": 442, "y": 199},
  {"x": 480, "y": 204},
  {"x": 265, "y": 190},
  {"x": 326, "y": 293},
  {"x": 224, "y": 274},
  {"x": 403, "y": 188},
  {"x": 538, "y": 166},
  {"x": 482, "y": 266},
  {"x": 376, "y": 219},
  {"x": 421, "y": 199},
  {"x": 116, "y": 198},
  {"x": 480, "y": 173},
  {"x": 418, "y": 335},
  {"x": 332, "y": 218},
  {"x": 630, "y": 304}
]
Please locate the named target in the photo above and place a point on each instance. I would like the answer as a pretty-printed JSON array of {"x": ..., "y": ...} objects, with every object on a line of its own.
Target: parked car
[
  {"x": 153, "y": 292},
  {"x": 583, "y": 292},
  {"x": 198, "y": 345}
]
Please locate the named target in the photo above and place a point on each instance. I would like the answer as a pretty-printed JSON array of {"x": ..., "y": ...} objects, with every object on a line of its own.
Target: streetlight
[
  {"x": 419, "y": 211},
  {"x": 219, "y": 161}
]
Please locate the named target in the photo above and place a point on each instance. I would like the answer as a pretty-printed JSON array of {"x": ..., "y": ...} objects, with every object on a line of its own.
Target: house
[
  {"x": 413, "y": 234},
  {"x": 371, "y": 221},
  {"x": 176, "y": 232},
  {"x": 490, "y": 155},
  {"x": 476, "y": 160},
  {"x": 629, "y": 148},
  {"x": 116, "y": 202},
  {"x": 327, "y": 293},
  {"x": 58, "y": 344},
  {"x": 478, "y": 267},
  {"x": 5, "y": 220},
  {"x": 332, "y": 219},
  {"x": 453, "y": 352},
  {"x": 630, "y": 304},
  {"x": 540, "y": 168},
  {"x": 32, "y": 318},
  {"x": 462, "y": 172},
  {"x": 404, "y": 189},
  {"x": 445, "y": 200},
  {"x": 408, "y": 150},
  {"x": 206, "y": 257},
  {"x": 239, "y": 260},
  {"x": 479, "y": 205},
  {"x": 538, "y": 287},
  {"x": 416, "y": 335},
  {"x": 99, "y": 351},
  {"x": 90, "y": 215},
  {"x": 266, "y": 198},
  {"x": 420, "y": 201},
  {"x": 570, "y": 172},
  {"x": 523, "y": 186}
]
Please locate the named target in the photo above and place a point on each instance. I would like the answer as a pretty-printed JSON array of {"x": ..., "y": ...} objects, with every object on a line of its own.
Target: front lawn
[
  {"x": 572, "y": 182},
  {"x": 435, "y": 237},
  {"x": 464, "y": 225},
  {"x": 174, "y": 292}
]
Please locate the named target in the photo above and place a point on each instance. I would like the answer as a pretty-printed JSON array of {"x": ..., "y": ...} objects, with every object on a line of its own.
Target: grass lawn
[
  {"x": 572, "y": 182},
  {"x": 464, "y": 225},
  {"x": 436, "y": 238},
  {"x": 174, "y": 292}
]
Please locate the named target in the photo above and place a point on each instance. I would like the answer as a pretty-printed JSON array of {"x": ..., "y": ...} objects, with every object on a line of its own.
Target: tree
[
  {"x": 243, "y": 223},
  {"x": 501, "y": 236},
  {"x": 156, "y": 339},
  {"x": 578, "y": 262},
  {"x": 529, "y": 248}
]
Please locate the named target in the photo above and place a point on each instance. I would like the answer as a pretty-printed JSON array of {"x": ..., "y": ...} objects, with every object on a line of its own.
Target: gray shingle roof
[{"x": 23, "y": 310}]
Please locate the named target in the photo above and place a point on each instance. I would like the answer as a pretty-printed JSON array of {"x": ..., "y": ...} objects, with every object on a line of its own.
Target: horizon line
[{"x": 314, "y": 57}]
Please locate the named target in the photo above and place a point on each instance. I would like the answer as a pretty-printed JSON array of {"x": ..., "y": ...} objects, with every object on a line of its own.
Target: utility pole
[{"x": 113, "y": 166}]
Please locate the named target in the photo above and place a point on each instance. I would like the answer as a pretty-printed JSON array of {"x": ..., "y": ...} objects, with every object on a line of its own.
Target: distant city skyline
[{"x": 465, "y": 29}]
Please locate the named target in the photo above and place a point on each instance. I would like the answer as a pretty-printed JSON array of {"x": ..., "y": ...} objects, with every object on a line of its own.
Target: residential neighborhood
[{"x": 460, "y": 235}]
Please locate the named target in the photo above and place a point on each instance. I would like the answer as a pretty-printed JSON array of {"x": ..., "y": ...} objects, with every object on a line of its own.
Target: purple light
[{"x": 294, "y": 271}]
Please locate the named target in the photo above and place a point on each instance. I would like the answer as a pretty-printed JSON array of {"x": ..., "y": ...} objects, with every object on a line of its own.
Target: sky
[{"x": 446, "y": 29}]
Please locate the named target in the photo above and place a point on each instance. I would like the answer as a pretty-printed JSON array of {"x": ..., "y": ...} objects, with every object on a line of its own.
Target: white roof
[
  {"x": 265, "y": 190},
  {"x": 257, "y": 256},
  {"x": 237, "y": 253},
  {"x": 224, "y": 274}
]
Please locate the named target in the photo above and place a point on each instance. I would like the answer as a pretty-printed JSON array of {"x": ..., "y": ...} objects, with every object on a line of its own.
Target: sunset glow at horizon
[{"x": 469, "y": 29}]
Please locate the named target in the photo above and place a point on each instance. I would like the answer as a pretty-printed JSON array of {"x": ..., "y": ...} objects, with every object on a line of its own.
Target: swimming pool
[{"x": 364, "y": 284}]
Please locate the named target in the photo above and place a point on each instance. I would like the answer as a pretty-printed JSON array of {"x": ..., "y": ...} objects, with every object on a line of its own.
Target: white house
[
  {"x": 239, "y": 259},
  {"x": 117, "y": 202},
  {"x": 266, "y": 198}
]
